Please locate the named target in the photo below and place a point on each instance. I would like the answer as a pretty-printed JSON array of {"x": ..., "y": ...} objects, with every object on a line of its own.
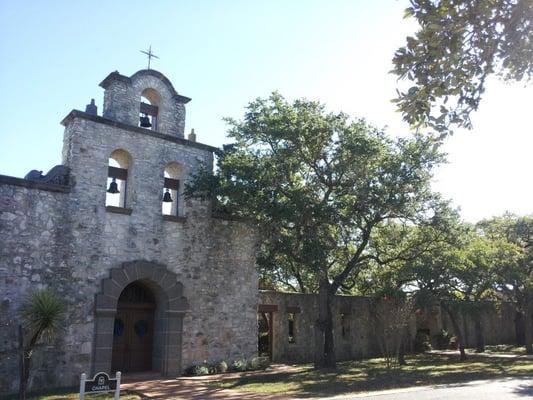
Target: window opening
[
  {"x": 291, "y": 320},
  {"x": 345, "y": 327}
]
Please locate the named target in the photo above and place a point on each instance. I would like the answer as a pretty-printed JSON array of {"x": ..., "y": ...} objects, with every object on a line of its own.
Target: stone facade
[
  {"x": 201, "y": 269},
  {"x": 354, "y": 333}
]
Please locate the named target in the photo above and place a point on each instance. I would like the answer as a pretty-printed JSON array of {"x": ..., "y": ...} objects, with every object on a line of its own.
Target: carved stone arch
[{"x": 171, "y": 306}]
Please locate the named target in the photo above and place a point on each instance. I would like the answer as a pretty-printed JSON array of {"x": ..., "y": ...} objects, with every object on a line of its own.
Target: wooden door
[
  {"x": 133, "y": 333},
  {"x": 133, "y": 339}
]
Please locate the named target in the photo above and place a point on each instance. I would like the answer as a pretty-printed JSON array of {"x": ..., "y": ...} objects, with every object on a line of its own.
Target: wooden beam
[
  {"x": 173, "y": 184},
  {"x": 267, "y": 308},
  {"x": 118, "y": 173},
  {"x": 149, "y": 109}
]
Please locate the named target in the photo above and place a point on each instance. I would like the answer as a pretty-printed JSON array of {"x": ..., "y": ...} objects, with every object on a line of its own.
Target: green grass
[
  {"x": 369, "y": 375},
  {"x": 505, "y": 349},
  {"x": 74, "y": 394}
]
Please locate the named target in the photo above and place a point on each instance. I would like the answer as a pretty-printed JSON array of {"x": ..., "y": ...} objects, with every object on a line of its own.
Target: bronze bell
[
  {"x": 113, "y": 187},
  {"x": 145, "y": 121},
  {"x": 167, "y": 198}
]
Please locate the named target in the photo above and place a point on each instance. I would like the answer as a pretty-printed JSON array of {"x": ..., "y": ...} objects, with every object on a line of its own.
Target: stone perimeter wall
[
  {"x": 70, "y": 242},
  {"x": 34, "y": 236},
  {"x": 360, "y": 339}
]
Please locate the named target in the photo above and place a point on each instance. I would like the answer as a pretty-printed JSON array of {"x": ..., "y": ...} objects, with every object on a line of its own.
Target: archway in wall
[
  {"x": 133, "y": 330},
  {"x": 156, "y": 293}
]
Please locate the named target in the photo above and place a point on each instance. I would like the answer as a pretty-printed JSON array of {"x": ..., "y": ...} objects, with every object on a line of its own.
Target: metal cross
[{"x": 149, "y": 54}]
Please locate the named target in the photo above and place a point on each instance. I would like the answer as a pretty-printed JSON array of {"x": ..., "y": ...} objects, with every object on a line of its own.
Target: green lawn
[
  {"x": 74, "y": 394},
  {"x": 505, "y": 349},
  {"x": 369, "y": 375}
]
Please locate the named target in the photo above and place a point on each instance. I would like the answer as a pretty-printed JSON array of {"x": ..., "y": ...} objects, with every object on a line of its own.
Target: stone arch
[
  {"x": 170, "y": 310},
  {"x": 152, "y": 95}
]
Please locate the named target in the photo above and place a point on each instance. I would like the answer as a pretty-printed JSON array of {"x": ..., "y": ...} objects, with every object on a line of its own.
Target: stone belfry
[
  {"x": 152, "y": 281},
  {"x": 122, "y": 101}
]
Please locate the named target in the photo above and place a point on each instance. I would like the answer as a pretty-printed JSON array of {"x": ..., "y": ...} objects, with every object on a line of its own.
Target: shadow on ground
[{"x": 370, "y": 375}]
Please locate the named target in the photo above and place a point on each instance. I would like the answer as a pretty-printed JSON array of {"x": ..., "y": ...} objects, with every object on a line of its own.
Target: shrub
[
  {"x": 220, "y": 367},
  {"x": 422, "y": 342},
  {"x": 453, "y": 343},
  {"x": 239, "y": 365},
  {"x": 256, "y": 363},
  {"x": 443, "y": 339},
  {"x": 197, "y": 370}
]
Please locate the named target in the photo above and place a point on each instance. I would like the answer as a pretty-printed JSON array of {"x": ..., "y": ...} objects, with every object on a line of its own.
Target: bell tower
[{"x": 146, "y": 99}]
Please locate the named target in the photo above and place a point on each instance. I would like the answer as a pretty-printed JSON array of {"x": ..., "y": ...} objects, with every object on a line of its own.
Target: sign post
[{"x": 101, "y": 382}]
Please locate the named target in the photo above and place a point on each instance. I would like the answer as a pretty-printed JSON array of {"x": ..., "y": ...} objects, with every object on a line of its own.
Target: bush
[
  {"x": 453, "y": 343},
  {"x": 256, "y": 363},
  {"x": 444, "y": 339},
  {"x": 239, "y": 365},
  {"x": 220, "y": 367},
  {"x": 198, "y": 370},
  {"x": 422, "y": 342}
]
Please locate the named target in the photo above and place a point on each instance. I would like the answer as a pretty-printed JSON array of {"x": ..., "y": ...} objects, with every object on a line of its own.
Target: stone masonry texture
[
  {"x": 69, "y": 241},
  {"x": 360, "y": 339}
]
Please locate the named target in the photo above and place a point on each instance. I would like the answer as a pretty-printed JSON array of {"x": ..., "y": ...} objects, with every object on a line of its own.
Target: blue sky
[{"x": 223, "y": 54}]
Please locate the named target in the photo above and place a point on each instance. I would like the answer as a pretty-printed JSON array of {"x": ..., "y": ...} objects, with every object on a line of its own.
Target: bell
[
  {"x": 113, "y": 187},
  {"x": 145, "y": 121},
  {"x": 167, "y": 198}
]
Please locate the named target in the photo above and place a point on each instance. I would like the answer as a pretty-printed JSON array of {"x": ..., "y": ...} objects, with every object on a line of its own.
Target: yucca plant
[{"x": 41, "y": 314}]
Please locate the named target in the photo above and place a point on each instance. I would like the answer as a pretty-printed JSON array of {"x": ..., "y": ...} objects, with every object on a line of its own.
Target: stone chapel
[{"x": 151, "y": 281}]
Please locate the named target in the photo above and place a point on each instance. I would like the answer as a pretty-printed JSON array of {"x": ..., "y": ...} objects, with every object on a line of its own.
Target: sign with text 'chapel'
[{"x": 100, "y": 383}]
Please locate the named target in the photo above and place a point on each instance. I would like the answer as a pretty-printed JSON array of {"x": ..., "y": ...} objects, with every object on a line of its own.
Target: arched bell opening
[
  {"x": 172, "y": 197},
  {"x": 119, "y": 164},
  {"x": 149, "y": 109}
]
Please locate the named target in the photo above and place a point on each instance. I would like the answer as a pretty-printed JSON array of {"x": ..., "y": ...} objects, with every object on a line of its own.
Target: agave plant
[{"x": 41, "y": 314}]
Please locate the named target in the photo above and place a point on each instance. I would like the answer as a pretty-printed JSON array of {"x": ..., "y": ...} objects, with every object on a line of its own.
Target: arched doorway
[
  {"x": 133, "y": 331},
  {"x": 170, "y": 307}
]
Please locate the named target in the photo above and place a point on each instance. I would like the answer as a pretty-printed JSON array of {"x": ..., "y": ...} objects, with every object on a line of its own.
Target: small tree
[
  {"x": 41, "y": 315},
  {"x": 391, "y": 319}
]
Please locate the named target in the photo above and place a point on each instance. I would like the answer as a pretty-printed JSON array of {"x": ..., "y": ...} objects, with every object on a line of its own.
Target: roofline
[
  {"x": 113, "y": 76},
  {"x": 95, "y": 118}
]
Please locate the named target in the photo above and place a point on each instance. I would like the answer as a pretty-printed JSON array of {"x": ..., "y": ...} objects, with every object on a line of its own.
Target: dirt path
[
  {"x": 471, "y": 353},
  {"x": 196, "y": 388}
]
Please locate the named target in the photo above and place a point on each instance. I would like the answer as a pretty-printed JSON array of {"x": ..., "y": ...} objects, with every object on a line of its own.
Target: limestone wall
[
  {"x": 70, "y": 241},
  {"x": 358, "y": 339},
  {"x": 34, "y": 235}
]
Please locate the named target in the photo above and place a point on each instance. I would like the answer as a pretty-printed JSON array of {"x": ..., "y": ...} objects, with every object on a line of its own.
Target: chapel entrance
[{"x": 133, "y": 332}]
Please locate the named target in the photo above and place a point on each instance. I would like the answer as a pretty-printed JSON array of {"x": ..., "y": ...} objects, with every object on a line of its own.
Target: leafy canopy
[
  {"x": 318, "y": 184},
  {"x": 459, "y": 44}
]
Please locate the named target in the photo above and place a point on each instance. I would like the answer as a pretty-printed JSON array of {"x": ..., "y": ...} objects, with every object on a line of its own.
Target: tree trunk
[
  {"x": 457, "y": 331},
  {"x": 519, "y": 328},
  {"x": 480, "y": 339},
  {"x": 465, "y": 328},
  {"x": 528, "y": 327},
  {"x": 324, "y": 346},
  {"x": 403, "y": 345}
]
